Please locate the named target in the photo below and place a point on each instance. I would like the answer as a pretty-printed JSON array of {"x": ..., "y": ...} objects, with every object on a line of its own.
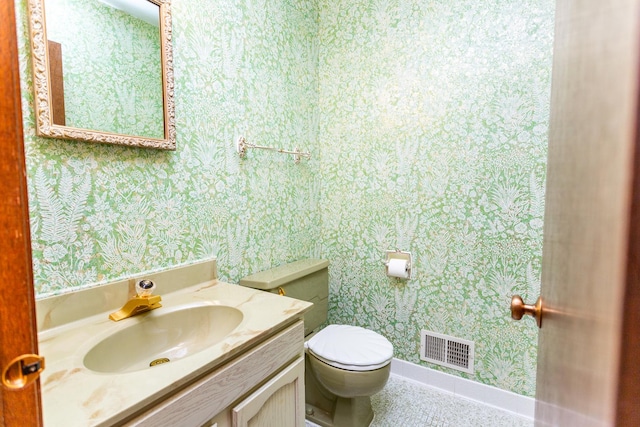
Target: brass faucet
[{"x": 142, "y": 302}]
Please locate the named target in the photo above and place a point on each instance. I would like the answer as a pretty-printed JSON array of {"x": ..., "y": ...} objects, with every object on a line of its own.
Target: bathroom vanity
[
  {"x": 264, "y": 384},
  {"x": 250, "y": 372}
]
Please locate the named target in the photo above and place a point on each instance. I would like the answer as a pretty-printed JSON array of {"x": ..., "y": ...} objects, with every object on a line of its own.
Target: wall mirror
[{"x": 103, "y": 71}]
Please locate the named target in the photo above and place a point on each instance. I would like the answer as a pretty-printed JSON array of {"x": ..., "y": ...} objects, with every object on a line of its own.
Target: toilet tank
[{"x": 307, "y": 280}]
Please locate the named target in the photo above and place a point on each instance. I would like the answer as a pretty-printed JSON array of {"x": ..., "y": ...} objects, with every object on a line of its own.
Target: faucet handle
[
  {"x": 145, "y": 288},
  {"x": 142, "y": 302}
]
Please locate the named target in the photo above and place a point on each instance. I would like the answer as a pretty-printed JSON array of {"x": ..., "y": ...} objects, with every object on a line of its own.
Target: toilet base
[
  {"x": 348, "y": 412},
  {"x": 328, "y": 410}
]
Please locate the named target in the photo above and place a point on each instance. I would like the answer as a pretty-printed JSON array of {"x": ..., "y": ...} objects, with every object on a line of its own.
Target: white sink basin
[{"x": 162, "y": 336}]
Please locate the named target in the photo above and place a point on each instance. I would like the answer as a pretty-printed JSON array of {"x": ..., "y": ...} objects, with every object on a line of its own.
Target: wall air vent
[{"x": 444, "y": 350}]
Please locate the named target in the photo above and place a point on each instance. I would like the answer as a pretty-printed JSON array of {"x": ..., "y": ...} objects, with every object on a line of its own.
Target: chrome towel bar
[{"x": 242, "y": 145}]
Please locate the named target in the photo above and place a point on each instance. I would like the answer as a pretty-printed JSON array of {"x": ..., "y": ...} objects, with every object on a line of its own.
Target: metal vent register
[{"x": 445, "y": 350}]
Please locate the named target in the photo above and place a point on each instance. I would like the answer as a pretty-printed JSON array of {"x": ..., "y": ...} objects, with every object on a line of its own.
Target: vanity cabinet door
[{"x": 279, "y": 402}]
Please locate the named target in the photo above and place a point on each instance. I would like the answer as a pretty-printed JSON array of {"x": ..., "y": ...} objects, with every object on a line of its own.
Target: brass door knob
[
  {"x": 22, "y": 371},
  {"x": 519, "y": 309}
]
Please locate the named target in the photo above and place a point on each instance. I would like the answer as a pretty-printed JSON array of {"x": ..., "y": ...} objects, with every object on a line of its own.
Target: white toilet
[{"x": 344, "y": 364}]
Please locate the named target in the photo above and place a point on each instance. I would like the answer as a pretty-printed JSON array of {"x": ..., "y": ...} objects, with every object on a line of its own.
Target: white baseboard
[{"x": 505, "y": 400}]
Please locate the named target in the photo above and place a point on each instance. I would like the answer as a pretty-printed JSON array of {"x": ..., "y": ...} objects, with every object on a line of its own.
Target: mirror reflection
[{"x": 105, "y": 65}]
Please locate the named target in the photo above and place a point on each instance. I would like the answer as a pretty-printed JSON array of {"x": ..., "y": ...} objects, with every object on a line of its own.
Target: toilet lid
[{"x": 351, "y": 347}]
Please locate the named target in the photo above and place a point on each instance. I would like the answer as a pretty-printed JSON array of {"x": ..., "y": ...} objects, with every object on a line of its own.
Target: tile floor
[{"x": 405, "y": 403}]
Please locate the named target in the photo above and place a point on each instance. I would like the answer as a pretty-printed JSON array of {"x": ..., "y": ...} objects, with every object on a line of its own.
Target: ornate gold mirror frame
[{"x": 42, "y": 87}]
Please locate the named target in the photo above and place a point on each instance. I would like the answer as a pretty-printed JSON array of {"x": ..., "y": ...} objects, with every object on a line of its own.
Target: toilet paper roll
[{"x": 398, "y": 268}]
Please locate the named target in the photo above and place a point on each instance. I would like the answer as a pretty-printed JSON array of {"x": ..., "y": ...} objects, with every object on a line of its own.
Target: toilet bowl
[
  {"x": 344, "y": 365},
  {"x": 350, "y": 361}
]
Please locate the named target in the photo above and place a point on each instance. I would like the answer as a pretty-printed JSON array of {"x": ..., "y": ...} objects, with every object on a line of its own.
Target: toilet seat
[{"x": 351, "y": 347}]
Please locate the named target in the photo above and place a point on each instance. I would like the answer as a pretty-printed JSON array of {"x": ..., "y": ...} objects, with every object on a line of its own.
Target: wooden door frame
[
  {"x": 18, "y": 330},
  {"x": 628, "y": 408}
]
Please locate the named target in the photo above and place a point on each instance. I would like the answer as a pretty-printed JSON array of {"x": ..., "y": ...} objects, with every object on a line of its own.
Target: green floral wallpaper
[
  {"x": 427, "y": 123},
  {"x": 101, "y": 212},
  {"x": 433, "y": 131},
  {"x": 114, "y": 47}
]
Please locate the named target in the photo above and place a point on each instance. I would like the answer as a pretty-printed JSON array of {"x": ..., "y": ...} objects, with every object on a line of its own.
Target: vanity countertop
[{"x": 73, "y": 395}]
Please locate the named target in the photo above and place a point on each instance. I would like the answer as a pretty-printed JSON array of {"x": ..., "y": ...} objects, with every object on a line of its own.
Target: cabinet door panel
[{"x": 280, "y": 402}]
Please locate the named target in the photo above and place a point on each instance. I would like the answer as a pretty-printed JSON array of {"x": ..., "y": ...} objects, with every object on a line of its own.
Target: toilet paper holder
[{"x": 400, "y": 255}]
